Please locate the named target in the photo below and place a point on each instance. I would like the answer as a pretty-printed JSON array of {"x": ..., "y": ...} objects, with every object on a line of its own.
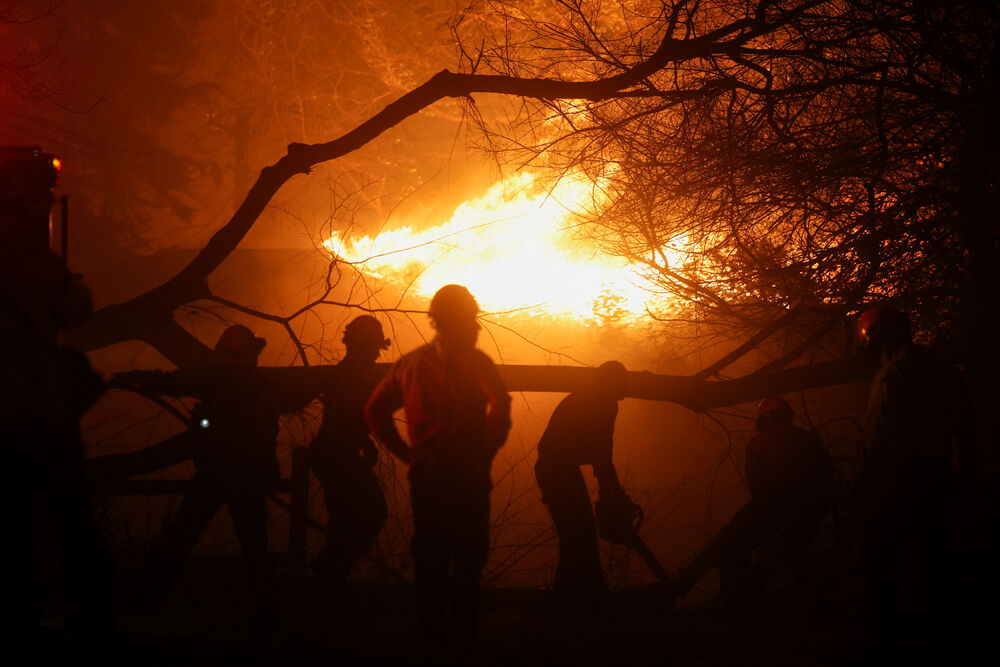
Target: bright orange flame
[
  {"x": 512, "y": 249},
  {"x": 57, "y": 163}
]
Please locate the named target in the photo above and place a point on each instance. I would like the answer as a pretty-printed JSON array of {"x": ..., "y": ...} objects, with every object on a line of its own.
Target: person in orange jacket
[{"x": 457, "y": 417}]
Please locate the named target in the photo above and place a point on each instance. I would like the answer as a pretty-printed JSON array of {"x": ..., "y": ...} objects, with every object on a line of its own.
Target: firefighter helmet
[
  {"x": 453, "y": 303},
  {"x": 612, "y": 377},
  {"x": 238, "y": 345},
  {"x": 773, "y": 408},
  {"x": 880, "y": 325},
  {"x": 365, "y": 328}
]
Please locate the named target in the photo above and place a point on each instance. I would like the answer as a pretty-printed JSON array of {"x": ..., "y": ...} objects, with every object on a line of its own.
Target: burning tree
[
  {"x": 769, "y": 159},
  {"x": 778, "y": 165}
]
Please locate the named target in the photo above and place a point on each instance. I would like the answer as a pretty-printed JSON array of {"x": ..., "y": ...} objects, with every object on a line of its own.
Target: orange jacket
[{"x": 451, "y": 393}]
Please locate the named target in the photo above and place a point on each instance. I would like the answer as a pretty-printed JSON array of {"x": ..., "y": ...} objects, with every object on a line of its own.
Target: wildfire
[{"x": 512, "y": 248}]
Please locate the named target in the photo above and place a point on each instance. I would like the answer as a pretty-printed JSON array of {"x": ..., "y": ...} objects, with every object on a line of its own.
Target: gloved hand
[{"x": 616, "y": 515}]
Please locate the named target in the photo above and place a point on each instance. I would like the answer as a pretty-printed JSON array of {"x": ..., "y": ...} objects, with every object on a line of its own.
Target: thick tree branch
[
  {"x": 124, "y": 321},
  {"x": 694, "y": 394},
  {"x": 765, "y": 332}
]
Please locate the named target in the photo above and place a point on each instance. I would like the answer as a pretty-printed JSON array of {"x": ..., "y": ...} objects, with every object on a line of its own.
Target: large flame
[{"x": 514, "y": 251}]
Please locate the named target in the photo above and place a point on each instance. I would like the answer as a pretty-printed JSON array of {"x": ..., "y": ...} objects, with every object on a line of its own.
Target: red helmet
[
  {"x": 772, "y": 409},
  {"x": 453, "y": 302},
  {"x": 365, "y": 328},
  {"x": 238, "y": 345},
  {"x": 882, "y": 324}
]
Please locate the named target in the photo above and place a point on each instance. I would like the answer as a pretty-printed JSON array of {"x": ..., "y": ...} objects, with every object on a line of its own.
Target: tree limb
[
  {"x": 125, "y": 321},
  {"x": 694, "y": 394}
]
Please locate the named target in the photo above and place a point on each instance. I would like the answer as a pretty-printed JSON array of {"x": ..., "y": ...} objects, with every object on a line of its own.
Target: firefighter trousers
[
  {"x": 450, "y": 494},
  {"x": 247, "y": 505},
  {"x": 356, "y": 511},
  {"x": 579, "y": 573}
]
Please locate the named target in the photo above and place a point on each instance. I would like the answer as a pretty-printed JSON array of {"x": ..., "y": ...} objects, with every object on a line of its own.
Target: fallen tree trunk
[
  {"x": 695, "y": 394},
  {"x": 300, "y": 384}
]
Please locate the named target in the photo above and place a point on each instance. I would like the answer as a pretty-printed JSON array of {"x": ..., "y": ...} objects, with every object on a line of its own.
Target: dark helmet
[
  {"x": 771, "y": 409},
  {"x": 238, "y": 345},
  {"x": 612, "y": 377},
  {"x": 453, "y": 303},
  {"x": 365, "y": 328},
  {"x": 881, "y": 325}
]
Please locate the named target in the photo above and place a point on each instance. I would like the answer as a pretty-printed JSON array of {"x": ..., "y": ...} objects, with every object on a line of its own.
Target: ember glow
[{"x": 514, "y": 248}]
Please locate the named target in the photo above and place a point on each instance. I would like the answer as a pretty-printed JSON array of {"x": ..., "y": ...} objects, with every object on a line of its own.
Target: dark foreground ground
[{"x": 207, "y": 620}]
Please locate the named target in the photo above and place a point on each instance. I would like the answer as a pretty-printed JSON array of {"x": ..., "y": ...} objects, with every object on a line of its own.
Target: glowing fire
[{"x": 512, "y": 249}]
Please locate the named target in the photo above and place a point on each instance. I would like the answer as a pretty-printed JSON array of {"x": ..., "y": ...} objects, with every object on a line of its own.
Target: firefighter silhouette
[
  {"x": 39, "y": 421},
  {"x": 916, "y": 423},
  {"x": 458, "y": 416},
  {"x": 792, "y": 487},
  {"x": 581, "y": 433},
  {"x": 343, "y": 456},
  {"x": 236, "y": 425}
]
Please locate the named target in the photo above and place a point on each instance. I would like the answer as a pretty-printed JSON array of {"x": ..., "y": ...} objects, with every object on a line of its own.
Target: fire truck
[{"x": 28, "y": 176}]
